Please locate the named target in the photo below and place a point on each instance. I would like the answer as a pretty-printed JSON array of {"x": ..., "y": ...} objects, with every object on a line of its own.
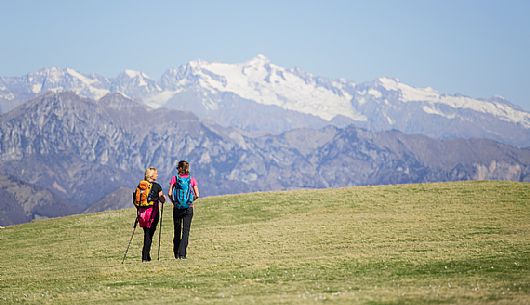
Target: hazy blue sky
[{"x": 478, "y": 48}]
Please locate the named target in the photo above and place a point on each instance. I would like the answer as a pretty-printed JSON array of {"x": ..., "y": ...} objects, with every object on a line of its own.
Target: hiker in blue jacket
[{"x": 183, "y": 190}]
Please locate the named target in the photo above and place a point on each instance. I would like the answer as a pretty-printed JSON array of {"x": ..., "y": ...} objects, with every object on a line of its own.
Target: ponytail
[{"x": 183, "y": 167}]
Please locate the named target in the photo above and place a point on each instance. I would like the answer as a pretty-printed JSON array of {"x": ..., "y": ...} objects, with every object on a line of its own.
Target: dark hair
[{"x": 183, "y": 167}]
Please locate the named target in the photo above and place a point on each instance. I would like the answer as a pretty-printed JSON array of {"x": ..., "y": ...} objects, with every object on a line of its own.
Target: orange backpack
[{"x": 142, "y": 195}]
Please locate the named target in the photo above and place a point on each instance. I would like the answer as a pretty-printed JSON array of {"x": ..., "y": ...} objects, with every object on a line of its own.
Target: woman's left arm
[
  {"x": 196, "y": 191},
  {"x": 161, "y": 197}
]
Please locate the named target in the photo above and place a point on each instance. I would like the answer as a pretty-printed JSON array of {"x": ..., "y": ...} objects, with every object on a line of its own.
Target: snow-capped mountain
[
  {"x": 260, "y": 81},
  {"x": 135, "y": 84},
  {"x": 443, "y": 105},
  {"x": 259, "y": 96},
  {"x": 17, "y": 90}
]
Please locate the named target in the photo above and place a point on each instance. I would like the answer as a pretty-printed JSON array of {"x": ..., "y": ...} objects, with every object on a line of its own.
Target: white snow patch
[
  {"x": 81, "y": 77},
  {"x": 133, "y": 74},
  {"x": 53, "y": 74},
  {"x": 433, "y": 110},
  {"x": 98, "y": 93},
  {"x": 139, "y": 76},
  {"x": 502, "y": 111},
  {"x": 409, "y": 93},
  {"x": 36, "y": 88},
  {"x": 160, "y": 99},
  {"x": 375, "y": 93}
]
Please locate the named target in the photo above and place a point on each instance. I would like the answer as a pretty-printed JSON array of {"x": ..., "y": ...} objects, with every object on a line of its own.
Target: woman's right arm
[{"x": 170, "y": 192}]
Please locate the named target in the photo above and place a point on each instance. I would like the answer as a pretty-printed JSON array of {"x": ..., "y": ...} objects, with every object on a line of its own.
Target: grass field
[{"x": 447, "y": 243}]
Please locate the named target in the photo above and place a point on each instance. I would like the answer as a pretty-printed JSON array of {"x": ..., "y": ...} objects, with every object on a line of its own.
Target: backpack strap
[
  {"x": 190, "y": 189},
  {"x": 173, "y": 190}
]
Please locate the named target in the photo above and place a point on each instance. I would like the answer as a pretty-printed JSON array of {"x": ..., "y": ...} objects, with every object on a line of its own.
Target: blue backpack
[{"x": 182, "y": 192}]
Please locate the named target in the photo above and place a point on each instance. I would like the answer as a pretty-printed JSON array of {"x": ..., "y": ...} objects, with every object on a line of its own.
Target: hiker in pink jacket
[{"x": 183, "y": 190}]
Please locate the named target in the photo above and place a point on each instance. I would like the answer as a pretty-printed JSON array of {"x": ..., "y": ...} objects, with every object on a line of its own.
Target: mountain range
[
  {"x": 260, "y": 98},
  {"x": 63, "y": 153}
]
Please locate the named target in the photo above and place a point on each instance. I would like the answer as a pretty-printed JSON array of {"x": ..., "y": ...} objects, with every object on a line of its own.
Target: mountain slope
[
  {"x": 457, "y": 243},
  {"x": 82, "y": 150},
  {"x": 22, "y": 202}
]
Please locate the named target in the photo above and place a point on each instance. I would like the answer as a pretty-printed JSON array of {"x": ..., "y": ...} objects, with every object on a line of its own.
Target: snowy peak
[
  {"x": 257, "y": 62},
  {"x": 133, "y": 74},
  {"x": 187, "y": 75},
  {"x": 259, "y": 59},
  {"x": 47, "y": 78},
  {"x": 448, "y": 106},
  {"x": 65, "y": 79},
  {"x": 265, "y": 83},
  {"x": 134, "y": 84},
  {"x": 408, "y": 93}
]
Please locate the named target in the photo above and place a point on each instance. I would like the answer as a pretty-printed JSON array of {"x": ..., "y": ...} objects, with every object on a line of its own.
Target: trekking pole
[
  {"x": 160, "y": 232},
  {"x": 134, "y": 228}
]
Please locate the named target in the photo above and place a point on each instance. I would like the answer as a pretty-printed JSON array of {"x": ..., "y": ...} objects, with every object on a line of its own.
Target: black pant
[
  {"x": 181, "y": 224},
  {"x": 148, "y": 239}
]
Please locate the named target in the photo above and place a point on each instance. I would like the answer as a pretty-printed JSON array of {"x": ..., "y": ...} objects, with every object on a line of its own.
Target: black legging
[
  {"x": 148, "y": 239},
  {"x": 181, "y": 224}
]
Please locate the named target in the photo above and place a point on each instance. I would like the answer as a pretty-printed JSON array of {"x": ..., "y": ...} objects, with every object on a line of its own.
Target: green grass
[{"x": 447, "y": 243}]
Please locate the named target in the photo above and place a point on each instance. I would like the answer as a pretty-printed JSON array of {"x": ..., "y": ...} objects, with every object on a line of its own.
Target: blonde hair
[{"x": 149, "y": 173}]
